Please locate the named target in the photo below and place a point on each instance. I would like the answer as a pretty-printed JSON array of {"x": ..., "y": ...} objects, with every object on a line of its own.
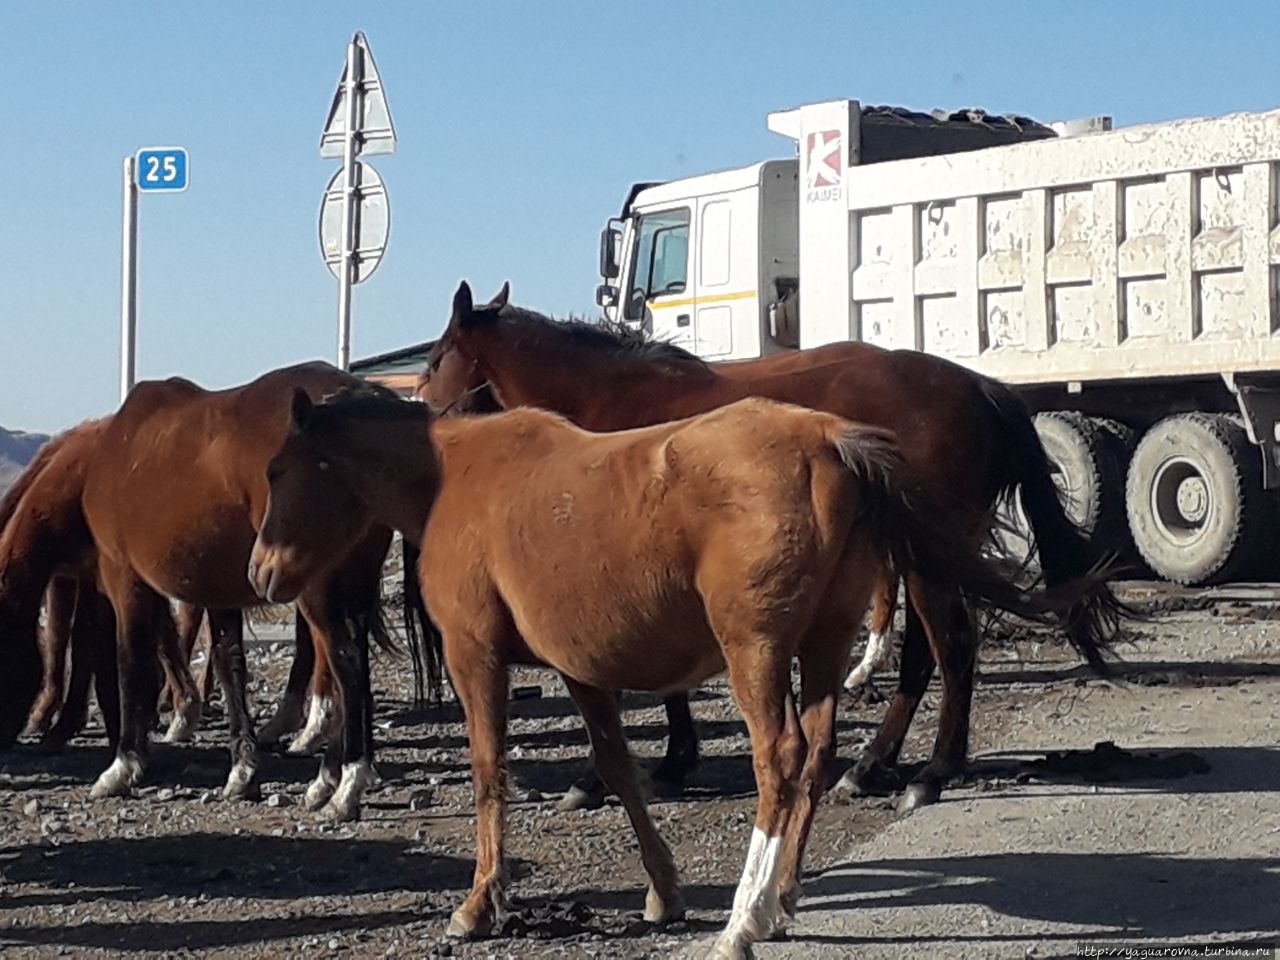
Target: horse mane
[
  {"x": 611, "y": 338},
  {"x": 368, "y": 401},
  {"x": 18, "y": 489}
]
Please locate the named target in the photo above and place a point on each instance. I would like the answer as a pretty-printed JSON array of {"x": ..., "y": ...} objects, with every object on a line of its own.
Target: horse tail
[
  {"x": 1066, "y": 554},
  {"x": 425, "y": 641},
  {"x": 916, "y": 537}
]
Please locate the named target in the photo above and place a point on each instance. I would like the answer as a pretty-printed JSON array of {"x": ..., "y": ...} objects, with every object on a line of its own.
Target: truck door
[
  {"x": 658, "y": 289},
  {"x": 726, "y": 302}
]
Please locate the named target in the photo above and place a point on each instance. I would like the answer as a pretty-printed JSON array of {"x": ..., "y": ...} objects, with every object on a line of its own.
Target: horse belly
[
  {"x": 620, "y": 648},
  {"x": 204, "y": 560}
]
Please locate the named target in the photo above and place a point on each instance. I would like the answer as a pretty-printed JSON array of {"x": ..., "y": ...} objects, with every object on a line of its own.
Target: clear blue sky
[{"x": 521, "y": 126}]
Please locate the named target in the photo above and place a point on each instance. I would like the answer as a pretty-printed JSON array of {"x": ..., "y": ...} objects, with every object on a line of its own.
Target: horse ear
[
  {"x": 503, "y": 296},
  {"x": 462, "y": 302},
  {"x": 300, "y": 414}
]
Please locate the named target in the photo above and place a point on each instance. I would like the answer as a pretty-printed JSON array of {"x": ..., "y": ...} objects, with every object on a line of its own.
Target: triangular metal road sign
[{"x": 374, "y": 129}]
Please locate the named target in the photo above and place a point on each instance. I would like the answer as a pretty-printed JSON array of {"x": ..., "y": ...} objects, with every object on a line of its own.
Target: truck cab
[{"x": 705, "y": 262}]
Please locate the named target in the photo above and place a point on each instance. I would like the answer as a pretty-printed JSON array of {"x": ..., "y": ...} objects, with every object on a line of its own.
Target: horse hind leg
[
  {"x": 175, "y": 657},
  {"x": 324, "y": 722},
  {"x": 226, "y": 629},
  {"x": 290, "y": 711},
  {"x": 142, "y": 616},
  {"x": 875, "y": 770},
  {"x": 954, "y": 641},
  {"x": 616, "y": 766},
  {"x": 824, "y": 652},
  {"x": 60, "y": 604},
  {"x": 759, "y": 675},
  {"x": 879, "y": 642}
]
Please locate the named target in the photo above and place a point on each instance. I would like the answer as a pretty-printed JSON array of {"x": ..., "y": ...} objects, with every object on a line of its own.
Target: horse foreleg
[
  {"x": 481, "y": 685},
  {"x": 60, "y": 605},
  {"x": 289, "y": 713},
  {"x": 682, "y": 748},
  {"x": 350, "y": 663},
  {"x": 616, "y": 766}
]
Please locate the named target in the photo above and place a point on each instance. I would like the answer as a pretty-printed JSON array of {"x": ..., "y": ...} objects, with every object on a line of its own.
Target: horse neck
[
  {"x": 400, "y": 488},
  {"x": 571, "y": 380}
]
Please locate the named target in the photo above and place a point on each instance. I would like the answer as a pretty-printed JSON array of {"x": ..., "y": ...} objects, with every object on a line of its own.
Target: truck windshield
[{"x": 659, "y": 259}]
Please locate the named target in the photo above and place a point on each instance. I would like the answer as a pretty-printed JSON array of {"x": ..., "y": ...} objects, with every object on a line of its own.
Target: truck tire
[
  {"x": 1195, "y": 500},
  {"x": 1090, "y": 456}
]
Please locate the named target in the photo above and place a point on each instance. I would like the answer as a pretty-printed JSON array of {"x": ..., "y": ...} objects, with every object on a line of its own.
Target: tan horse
[{"x": 651, "y": 559}]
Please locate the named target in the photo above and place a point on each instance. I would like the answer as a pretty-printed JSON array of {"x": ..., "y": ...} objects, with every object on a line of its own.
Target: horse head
[{"x": 454, "y": 380}]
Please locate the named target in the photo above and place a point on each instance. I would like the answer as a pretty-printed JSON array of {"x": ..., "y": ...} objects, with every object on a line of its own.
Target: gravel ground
[{"x": 178, "y": 871}]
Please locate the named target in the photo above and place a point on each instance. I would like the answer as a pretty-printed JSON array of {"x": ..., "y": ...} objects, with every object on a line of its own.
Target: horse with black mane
[{"x": 965, "y": 437}]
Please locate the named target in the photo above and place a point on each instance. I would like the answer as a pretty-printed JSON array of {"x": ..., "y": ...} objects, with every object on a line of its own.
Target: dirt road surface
[{"x": 1172, "y": 835}]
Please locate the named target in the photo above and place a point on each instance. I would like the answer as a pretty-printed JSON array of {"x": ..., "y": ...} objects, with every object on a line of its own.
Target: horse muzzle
[{"x": 268, "y": 575}]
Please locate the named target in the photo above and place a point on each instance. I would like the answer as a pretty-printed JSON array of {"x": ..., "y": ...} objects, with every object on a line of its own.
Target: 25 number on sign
[{"x": 162, "y": 169}]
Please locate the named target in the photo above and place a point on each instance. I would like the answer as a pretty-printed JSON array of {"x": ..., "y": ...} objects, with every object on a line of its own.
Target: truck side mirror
[
  {"x": 606, "y": 295},
  {"x": 610, "y": 240}
]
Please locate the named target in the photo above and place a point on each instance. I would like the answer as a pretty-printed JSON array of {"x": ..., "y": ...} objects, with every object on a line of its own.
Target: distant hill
[{"x": 16, "y": 450}]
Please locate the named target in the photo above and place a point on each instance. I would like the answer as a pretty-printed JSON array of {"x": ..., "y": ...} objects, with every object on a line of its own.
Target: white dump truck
[{"x": 1123, "y": 280}]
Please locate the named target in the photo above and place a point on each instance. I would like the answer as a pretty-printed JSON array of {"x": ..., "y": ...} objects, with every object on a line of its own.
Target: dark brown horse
[
  {"x": 164, "y": 503},
  {"x": 72, "y": 593},
  {"x": 650, "y": 559},
  {"x": 967, "y": 437},
  {"x": 46, "y": 550}
]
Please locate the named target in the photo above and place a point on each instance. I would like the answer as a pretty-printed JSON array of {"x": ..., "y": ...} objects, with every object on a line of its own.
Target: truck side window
[{"x": 660, "y": 259}]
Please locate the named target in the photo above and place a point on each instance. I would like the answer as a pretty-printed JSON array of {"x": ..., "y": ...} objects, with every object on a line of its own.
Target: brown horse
[
  {"x": 966, "y": 436},
  {"x": 173, "y": 497},
  {"x": 650, "y": 559}
]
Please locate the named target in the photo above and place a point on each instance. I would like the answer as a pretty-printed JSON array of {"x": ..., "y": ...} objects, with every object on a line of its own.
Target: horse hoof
[
  {"x": 338, "y": 812},
  {"x": 869, "y": 778},
  {"x": 920, "y": 793},
  {"x": 318, "y": 793},
  {"x": 118, "y": 780},
  {"x": 463, "y": 926},
  {"x": 182, "y": 728},
  {"x": 241, "y": 784},
  {"x": 579, "y": 799},
  {"x": 788, "y": 901},
  {"x": 730, "y": 948},
  {"x": 662, "y": 911}
]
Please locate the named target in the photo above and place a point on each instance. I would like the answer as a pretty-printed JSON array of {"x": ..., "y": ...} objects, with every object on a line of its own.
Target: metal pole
[
  {"x": 128, "y": 282},
  {"x": 348, "y": 207}
]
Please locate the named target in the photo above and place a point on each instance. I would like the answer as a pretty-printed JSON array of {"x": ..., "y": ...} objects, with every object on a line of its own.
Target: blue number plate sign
[{"x": 162, "y": 169}]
